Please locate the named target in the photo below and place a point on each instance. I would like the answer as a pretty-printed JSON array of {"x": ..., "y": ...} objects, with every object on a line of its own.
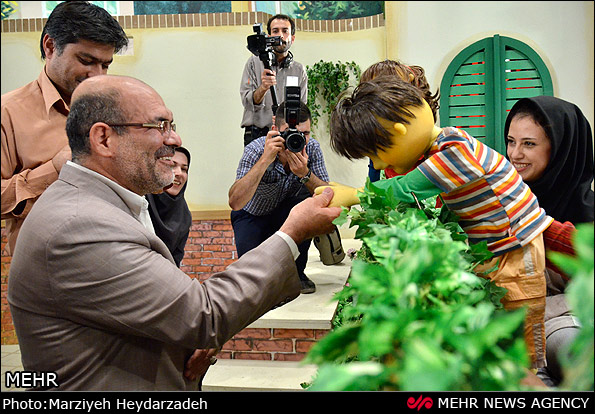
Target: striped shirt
[
  {"x": 485, "y": 191},
  {"x": 277, "y": 184}
]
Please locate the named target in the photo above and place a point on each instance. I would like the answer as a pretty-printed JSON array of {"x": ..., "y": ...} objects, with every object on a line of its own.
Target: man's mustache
[{"x": 165, "y": 151}]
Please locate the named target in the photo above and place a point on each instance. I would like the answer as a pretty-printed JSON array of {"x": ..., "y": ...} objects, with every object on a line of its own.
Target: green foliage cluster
[
  {"x": 333, "y": 10},
  {"x": 414, "y": 316},
  {"x": 326, "y": 82},
  {"x": 578, "y": 360}
]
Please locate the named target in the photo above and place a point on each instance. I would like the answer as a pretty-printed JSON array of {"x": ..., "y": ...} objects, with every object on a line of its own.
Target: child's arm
[
  {"x": 412, "y": 182},
  {"x": 403, "y": 186}
]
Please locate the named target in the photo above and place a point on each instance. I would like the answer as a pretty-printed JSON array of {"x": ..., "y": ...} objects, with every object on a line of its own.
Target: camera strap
[{"x": 287, "y": 61}]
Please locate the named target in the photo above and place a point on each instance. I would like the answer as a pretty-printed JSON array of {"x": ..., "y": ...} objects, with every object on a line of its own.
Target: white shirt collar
[{"x": 139, "y": 206}]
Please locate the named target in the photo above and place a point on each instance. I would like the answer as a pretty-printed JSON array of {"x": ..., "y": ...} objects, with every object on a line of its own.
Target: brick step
[
  {"x": 289, "y": 331},
  {"x": 314, "y": 310},
  {"x": 266, "y": 355},
  {"x": 250, "y": 375}
]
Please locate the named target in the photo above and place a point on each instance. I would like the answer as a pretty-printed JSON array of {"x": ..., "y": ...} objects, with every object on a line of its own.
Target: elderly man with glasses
[{"x": 97, "y": 300}]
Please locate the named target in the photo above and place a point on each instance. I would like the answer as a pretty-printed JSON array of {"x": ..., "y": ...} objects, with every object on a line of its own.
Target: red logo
[{"x": 420, "y": 403}]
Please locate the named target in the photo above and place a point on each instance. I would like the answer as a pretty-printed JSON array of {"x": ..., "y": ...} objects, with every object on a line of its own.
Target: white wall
[
  {"x": 197, "y": 70},
  {"x": 432, "y": 33}
]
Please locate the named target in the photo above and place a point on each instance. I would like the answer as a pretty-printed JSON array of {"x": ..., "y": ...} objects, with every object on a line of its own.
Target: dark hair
[
  {"x": 528, "y": 108},
  {"x": 72, "y": 21},
  {"x": 394, "y": 67},
  {"x": 185, "y": 152},
  {"x": 303, "y": 116},
  {"x": 87, "y": 110},
  {"x": 281, "y": 17},
  {"x": 355, "y": 129}
]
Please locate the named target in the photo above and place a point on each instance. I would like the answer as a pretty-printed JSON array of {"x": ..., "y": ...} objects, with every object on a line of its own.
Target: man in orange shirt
[{"x": 77, "y": 42}]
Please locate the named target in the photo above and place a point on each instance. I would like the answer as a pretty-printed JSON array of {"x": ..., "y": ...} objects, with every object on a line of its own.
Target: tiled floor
[{"x": 11, "y": 361}]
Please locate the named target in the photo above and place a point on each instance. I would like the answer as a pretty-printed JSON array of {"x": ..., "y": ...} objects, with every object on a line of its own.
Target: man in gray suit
[{"x": 96, "y": 298}]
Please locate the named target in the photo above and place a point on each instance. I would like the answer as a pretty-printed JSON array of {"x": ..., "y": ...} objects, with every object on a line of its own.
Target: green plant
[
  {"x": 578, "y": 360},
  {"x": 414, "y": 315},
  {"x": 326, "y": 81},
  {"x": 332, "y": 10}
]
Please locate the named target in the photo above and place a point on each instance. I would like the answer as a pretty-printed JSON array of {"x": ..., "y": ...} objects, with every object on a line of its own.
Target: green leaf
[
  {"x": 578, "y": 359},
  {"x": 428, "y": 367},
  {"x": 339, "y": 346},
  {"x": 356, "y": 376},
  {"x": 414, "y": 306},
  {"x": 326, "y": 82}
]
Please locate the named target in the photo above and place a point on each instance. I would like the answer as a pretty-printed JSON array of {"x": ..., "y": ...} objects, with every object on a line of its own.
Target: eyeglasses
[{"x": 165, "y": 127}]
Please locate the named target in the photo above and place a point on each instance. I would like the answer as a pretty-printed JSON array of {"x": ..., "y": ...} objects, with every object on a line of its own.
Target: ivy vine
[{"x": 326, "y": 81}]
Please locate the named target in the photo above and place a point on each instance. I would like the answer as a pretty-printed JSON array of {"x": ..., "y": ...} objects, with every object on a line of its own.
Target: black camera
[
  {"x": 295, "y": 140},
  {"x": 262, "y": 45}
]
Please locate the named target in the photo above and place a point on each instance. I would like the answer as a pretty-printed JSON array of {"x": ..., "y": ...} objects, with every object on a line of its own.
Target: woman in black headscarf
[
  {"x": 563, "y": 187},
  {"x": 549, "y": 142},
  {"x": 169, "y": 212}
]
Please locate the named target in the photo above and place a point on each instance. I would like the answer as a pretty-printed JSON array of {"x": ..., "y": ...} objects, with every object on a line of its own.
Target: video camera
[
  {"x": 295, "y": 140},
  {"x": 261, "y": 45}
]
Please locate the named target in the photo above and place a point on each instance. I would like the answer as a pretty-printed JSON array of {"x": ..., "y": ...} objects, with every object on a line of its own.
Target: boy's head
[
  {"x": 385, "y": 119},
  {"x": 413, "y": 74}
]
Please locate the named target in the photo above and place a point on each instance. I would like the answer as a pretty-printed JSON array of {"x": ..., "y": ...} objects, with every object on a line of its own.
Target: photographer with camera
[
  {"x": 266, "y": 72},
  {"x": 272, "y": 178}
]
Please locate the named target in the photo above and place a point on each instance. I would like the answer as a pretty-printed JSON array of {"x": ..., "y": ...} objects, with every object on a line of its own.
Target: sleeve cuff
[{"x": 291, "y": 243}]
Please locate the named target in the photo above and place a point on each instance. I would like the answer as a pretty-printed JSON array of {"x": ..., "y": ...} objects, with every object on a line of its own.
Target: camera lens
[{"x": 295, "y": 141}]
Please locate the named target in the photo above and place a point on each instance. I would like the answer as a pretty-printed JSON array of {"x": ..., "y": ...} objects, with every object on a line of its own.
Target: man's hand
[
  {"x": 344, "y": 195},
  {"x": 198, "y": 363},
  {"x": 243, "y": 189},
  {"x": 311, "y": 217},
  {"x": 298, "y": 162},
  {"x": 61, "y": 157},
  {"x": 273, "y": 145},
  {"x": 268, "y": 79}
]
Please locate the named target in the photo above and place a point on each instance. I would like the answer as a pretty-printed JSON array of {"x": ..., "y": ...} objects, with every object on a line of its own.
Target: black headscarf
[
  {"x": 564, "y": 189},
  {"x": 171, "y": 218}
]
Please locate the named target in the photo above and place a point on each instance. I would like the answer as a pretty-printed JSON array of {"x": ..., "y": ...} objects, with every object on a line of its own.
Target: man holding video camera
[
  {"x": 274, "y": 174},
  {"x": 259, "y": 83}
]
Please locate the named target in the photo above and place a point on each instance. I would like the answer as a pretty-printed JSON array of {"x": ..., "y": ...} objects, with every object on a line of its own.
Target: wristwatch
[{"x": 306, "y": 177}]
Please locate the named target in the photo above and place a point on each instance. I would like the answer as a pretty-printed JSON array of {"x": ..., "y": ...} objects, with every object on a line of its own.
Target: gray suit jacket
[{"x": 97, "y": 299}]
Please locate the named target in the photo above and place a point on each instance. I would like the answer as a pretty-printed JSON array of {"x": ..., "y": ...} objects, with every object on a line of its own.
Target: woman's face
[
  {"x": 528, "y": 147},
  {"x": 180, "y": 173}
]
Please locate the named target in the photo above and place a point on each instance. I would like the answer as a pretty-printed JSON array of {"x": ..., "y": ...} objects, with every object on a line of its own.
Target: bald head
[
  {"x": 112, "y": 84},
  {"x": 109, "y": 99}
]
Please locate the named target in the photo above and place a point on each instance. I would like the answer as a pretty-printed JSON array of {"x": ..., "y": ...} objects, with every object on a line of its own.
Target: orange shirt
[{"x": 33, "y": 132}]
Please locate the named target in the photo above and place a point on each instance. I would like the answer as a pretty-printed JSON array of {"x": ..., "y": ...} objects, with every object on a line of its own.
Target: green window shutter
[{"x": 484, "y": 81}]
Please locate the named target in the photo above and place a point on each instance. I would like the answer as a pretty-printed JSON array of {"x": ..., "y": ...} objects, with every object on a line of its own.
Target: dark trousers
[{"x": 250, "y": 230}]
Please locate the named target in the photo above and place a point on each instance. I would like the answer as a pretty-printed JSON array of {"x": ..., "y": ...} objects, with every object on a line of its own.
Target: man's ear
[
  {"x": 101, "y": 140},
  {"x": 49, "y": 46},
  {"x": 400, "y": 128}
]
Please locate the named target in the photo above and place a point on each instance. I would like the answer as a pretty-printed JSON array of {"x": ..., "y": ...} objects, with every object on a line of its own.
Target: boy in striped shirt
[{"x": 387, "y": 120}]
